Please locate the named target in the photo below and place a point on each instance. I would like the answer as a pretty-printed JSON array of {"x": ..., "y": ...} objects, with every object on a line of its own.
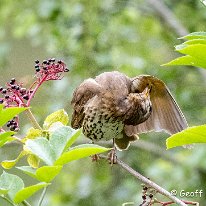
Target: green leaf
[
  {"x": 33, "y": 161},
  {"x": 8, "y": 113},
  {"x": 58, "y": 116},
  {"x": 12, "y": 183},
  {"x": 42, "y": 149},
  {"x": 8, "y": 164},
  {"x": 6, "y": 137},
  {"x": 47, "y": 173},
  {"x": 3, "y": 191},
  {"x": 44, "y": 174},
  {"x": 28, "y": 170},
  {"x": 62, "y": 138},
  {"x": 26, "y": 192},
  {"x": 195, "y": 41},
  {"x": 195, "y": 56},
  {"x": 32, "y": 134},
  {"x": 184, "y": 60},
  {"x": 195, "y": 50},
  {"x": 79, "y": 152},
  {"x": 195, "y": 35},
  {"x": 188, "y": 136}
]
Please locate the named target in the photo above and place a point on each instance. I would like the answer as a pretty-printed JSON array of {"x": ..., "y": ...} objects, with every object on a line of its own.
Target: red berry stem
[{"x": 35, "y": 90}]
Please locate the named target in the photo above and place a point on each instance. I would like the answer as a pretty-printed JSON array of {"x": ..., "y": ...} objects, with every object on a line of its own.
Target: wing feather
[{"x": 166, "y": 114}]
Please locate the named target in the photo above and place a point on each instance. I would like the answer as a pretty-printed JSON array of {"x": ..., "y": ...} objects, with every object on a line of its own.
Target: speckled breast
[{"x": 99, "y": 125}]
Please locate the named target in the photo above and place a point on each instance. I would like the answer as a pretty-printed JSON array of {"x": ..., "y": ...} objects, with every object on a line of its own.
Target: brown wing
[
  {"x": 86, "y": 91},
  {"x": 166, "y": 114}
]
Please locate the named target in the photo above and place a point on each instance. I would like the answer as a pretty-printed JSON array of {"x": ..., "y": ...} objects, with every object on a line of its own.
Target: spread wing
[
  {"x": 166, "y": 114},
  {"x": 86, "y": 91}
]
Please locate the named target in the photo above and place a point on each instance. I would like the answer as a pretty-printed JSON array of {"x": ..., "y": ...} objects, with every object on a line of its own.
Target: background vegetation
[{"x": 133, "y": 37}]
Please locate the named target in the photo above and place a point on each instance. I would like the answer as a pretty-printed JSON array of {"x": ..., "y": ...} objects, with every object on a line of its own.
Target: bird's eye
[{"x": 150, "y": 109}]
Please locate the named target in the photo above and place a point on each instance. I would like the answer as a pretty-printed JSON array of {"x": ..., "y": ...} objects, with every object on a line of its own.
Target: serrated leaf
[
  {"x": 12, "y": 183},
  {"x": 6, "y": 137},
  {"x": 26, "y": 192},
  {"x": 8, "y": 164},
  {"x": 62, "y": 138},
  {"x": 47, "y": 173},
  {"x": 28, "y": 170},
  {"x": 32, "y": 134},
  {"x": 188, "y": 136},
  {"x": 42, "y": 149},
  {"x": 79, "y": 152},
  {"x": 8, "y": 113},
  {"x": 33, "y": 161},
  {"x": 58, "y": 116}
]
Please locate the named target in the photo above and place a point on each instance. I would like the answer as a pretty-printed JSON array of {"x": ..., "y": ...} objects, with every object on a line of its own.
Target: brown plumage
[{"x": 115, "y": 106}]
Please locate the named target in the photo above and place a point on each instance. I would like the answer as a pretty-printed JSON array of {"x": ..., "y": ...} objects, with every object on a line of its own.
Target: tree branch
[
  {"x": 147, "y": 181},
  {"x": 167, "y": 15}
]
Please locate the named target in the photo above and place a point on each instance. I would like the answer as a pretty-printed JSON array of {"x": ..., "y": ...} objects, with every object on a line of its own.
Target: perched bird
[{"x": 114, "y": 106}]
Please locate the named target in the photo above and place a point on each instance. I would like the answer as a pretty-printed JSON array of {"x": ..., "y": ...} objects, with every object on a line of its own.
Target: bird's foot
[
  {"x": 112, "y": 156},
  {"x": 95, "y": 158}
]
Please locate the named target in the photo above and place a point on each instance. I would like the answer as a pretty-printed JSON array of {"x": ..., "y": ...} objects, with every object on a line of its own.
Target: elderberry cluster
[
  {"x": 50, "y": 69},
  {"x": 147, "y": 194},
  {"x": 14, "y": 94},
  {"x": 13, "y": 124}
]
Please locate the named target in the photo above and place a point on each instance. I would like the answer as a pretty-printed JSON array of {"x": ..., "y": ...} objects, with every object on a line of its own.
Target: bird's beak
[{"x": 147, "y": 91}]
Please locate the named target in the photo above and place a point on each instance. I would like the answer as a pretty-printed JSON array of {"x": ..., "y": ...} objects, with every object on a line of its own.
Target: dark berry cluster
[
  {"x": 14, "y": 94},
  {"x": 13, "y": 124},
  {"x": 50, "y": 69},
  {"x": 147, "y": 194}
]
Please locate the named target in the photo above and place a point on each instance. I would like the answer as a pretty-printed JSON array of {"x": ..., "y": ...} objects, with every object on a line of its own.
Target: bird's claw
[
  {"x": 95, "y": 158},
  {"x": 112, "y": 156}
]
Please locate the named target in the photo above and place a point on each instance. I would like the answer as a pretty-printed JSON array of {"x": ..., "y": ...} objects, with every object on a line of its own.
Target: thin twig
[
  {"x": 33, "y": 119},
  {"x": 42, "y": 196},
  {"x": 147, "y": 181},
  {"x": 171, "y": 202}
]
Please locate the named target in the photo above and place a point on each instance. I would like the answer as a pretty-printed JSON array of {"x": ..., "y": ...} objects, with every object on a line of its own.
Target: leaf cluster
[
  {"x": 194, "y": 50},
  {"x": 47, "y": 151}
]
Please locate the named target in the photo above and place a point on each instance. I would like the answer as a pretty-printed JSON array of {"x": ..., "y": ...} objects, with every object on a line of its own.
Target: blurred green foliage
[{"x": 96, "y": 36}]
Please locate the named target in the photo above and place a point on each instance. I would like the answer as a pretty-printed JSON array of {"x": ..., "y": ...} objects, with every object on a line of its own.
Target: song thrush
[{"x": 114, "y": 106}]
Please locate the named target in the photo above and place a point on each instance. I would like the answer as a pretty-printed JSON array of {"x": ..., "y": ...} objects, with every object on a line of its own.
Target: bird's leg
[
  {"x": 112, "y": 156},
  {"x": 95, "y": 157}
]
